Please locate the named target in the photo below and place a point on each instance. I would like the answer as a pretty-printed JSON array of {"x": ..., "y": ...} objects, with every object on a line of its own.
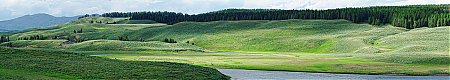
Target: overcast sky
[{"x": 14, "y": 8}]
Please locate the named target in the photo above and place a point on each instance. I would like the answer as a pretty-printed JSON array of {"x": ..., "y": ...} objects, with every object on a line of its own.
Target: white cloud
[
  {"x": 278, "y": 4},
  {"x": 313, "y": 4},
  {"x": 55, "y": 11},
  {"x": 15, "y": 8},
  {"x": 417, "y": 2}
]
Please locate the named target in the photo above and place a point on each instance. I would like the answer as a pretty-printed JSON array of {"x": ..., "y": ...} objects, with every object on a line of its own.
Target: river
[{"x": 238, "y": 74}]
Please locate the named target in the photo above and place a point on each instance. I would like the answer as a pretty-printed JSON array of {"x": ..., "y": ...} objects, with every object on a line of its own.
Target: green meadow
[
  {"x": 41, "y": 64},
  {"x": 326, "y": 46},
  {"x": 323, "y": 63}
]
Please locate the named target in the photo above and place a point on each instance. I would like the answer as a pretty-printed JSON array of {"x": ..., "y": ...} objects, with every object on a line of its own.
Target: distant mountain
[
  {"x": 33, "y": 21},
  {"x": 2, "y": 30}
]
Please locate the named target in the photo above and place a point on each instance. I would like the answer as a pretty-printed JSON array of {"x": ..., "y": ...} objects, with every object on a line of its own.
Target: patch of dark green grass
[{"x": 88, "y": 67}]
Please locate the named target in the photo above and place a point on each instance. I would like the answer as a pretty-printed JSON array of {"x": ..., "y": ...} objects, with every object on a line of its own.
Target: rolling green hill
[
  {"x": 418, "y": 40},
  {"x": 100, "y": 45},
  {"x": 104, "y": 45},
  {"x": 37, "y": 64},
  {"x": 51, "y": 44},
  {"x": 257, "y": 36},
  {"x": 336, "y": 46},
  {"x": 91, "y": 31},
  {"x": 300, "y": 36},
  {"x": 304, "y": 36}
]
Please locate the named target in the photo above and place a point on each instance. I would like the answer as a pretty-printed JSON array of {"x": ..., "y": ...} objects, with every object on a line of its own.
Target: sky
[{"x": 10, "y": 9}]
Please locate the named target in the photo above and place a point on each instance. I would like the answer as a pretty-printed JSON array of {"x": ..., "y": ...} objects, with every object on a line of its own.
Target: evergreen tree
[{"x": 402, "y": 16}]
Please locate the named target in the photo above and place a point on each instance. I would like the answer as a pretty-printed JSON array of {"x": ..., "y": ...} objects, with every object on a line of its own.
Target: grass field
[
  {"x": 328, "y": 63},
  {"x": 100, "y": 45},
  {"x": 256, "y": 36},
  {"x": 37, "y": 64},
  {"x": 300, "y": 36},
  {"x": 91, "y": 31},
  {"x": 25, "y": 74},
  {"x": 419, "y": 40},
  {"x": 335, "y": 46},
  {"x": 104, "y": 45},
  {"x": 50, "y": 44}
]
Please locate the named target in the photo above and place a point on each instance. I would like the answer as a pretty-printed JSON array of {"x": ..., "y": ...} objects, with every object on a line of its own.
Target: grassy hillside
[
  {"x": 90, "y": 31},
  {"x": 100, "y": 45},
  {"x": 300, "y": 36},
  {"x": 291, "y": 45},
  {"x": 418, "y": 40},
  {"x": 63, "y": 65},
  {"x": 52, "y": 44},
  {"x": 307, "y": 36},
  {"x": 104, "y": 45}
]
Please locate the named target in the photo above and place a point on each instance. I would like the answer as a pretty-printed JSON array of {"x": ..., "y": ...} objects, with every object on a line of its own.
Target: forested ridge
[{"x": 410, "y": 17}]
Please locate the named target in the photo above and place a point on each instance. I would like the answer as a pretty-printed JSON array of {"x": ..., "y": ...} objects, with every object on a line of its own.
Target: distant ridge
[
  {"x": 2, "y": 30},
  {"x": 32, "y": 21}
]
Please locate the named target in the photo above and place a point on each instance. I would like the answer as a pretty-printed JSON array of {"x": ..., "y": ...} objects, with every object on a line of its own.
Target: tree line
[{"x": 410, "y": 17}]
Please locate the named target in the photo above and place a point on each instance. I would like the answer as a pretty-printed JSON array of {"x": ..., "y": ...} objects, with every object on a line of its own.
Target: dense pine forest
[{"x": 409, "y": 17}]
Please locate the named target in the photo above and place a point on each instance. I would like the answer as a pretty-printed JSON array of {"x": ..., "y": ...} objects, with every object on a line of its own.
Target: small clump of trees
[
  {"x": 87, "y": 15},
  {"x": 121, "y": 38},
  {"x": 78, "y": 31},
  {"x": 169, "y": 40},
  {"x": 33, "y": 37},
  {"x": 142, "y": 40},
  {"x": 4, "y": 39},
  {"x": 124, "y": 38}
]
